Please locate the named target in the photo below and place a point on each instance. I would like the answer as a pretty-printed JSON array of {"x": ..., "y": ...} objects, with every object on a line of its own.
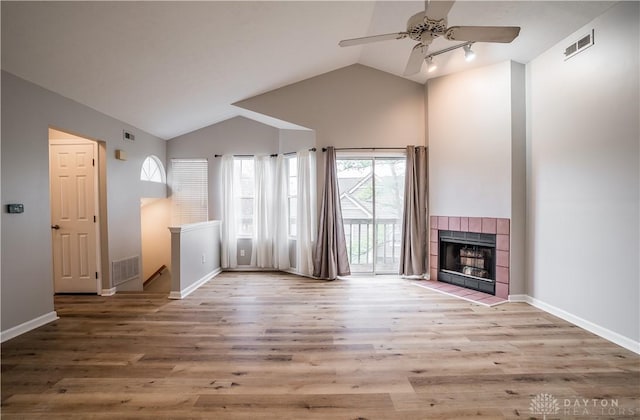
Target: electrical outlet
[
  {"x": 242, "y": 252},
  {"x": 204, "y": 259}
]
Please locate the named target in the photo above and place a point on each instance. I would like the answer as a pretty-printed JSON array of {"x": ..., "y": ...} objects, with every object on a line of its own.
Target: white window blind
[{"x": 189, "y": 191}]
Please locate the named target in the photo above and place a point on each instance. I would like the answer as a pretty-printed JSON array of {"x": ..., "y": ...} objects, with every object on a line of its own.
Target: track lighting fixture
[
  {"x": 469, "y": 55},
  {"x": 431, "y": 66}
]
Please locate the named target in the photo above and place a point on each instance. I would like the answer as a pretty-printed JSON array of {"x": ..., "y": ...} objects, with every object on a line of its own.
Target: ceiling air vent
[
  {"x": 580, "y": 45},
  {"x": 127, "y": 135}
]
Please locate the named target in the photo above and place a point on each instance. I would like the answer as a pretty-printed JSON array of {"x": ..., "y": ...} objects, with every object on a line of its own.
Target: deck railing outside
[{"x": 359, "y": 235}]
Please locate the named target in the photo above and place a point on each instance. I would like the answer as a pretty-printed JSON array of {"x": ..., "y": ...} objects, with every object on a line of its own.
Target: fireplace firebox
[{"x": 468, "y": 259}]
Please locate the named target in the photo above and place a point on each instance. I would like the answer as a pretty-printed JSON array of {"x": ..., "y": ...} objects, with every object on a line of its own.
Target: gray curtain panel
[
  {"x": 330, "y": 257},
  {"x": 413, "y": 250}
]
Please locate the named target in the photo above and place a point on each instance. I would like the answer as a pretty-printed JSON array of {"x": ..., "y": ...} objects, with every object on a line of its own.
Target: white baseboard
[
  {"x": 519, "y": 298},
  {"x": 28, "y": 326},
  {"x": 292, "y": 271},
  {"x": 598, "y": 330},
  {"x": 187, "y": 291},
  {"x": 108, "y": 292}
]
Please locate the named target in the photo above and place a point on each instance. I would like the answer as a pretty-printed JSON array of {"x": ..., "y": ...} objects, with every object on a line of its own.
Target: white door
[{"x": 73, "y": 217}]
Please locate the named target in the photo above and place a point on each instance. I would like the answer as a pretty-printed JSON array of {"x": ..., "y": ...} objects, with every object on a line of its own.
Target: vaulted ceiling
[{"x": 172, "y": 67}]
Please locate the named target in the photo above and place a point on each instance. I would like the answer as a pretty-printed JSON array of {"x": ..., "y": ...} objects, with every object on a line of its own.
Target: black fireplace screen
[{"x": 468, "y": 259}]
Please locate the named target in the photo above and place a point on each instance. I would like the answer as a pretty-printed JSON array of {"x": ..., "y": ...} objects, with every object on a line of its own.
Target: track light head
[
  {"x": 431, "y": 66},
  {"x": 469, "y": 55}
]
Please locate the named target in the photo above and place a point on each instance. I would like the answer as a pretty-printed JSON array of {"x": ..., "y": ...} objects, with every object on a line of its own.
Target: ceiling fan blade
[
  {"x": 437, "y": 9},
  {"x": 374, "y": 38},
  {"x": 415, "y": 59},
  {"x": 483, "y": 33}
]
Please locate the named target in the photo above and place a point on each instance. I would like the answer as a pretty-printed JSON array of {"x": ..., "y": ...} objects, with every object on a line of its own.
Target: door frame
[
  {"x": 75, "y": 140},
  {"x": 373, "y": 156}
]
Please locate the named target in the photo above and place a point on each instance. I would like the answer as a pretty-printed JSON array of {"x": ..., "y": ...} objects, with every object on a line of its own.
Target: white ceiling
[{"x": 173, "y": 67}]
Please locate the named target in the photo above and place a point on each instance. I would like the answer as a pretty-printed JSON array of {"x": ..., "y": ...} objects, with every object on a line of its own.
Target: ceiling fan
[{"x": 425, "y": 26}]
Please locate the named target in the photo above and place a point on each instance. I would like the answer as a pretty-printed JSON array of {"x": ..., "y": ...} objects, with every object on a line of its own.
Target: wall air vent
[
  {"x": 578, "y": 46},
  {"x": 127, "y": 135},
  {"x": 125, "y": 269}
]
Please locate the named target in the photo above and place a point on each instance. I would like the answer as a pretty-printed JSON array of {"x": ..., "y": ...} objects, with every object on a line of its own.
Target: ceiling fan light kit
[{"x": 426, "y": 26}]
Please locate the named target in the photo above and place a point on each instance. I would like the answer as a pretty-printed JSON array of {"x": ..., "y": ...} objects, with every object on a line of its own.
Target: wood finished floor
[{"x": 276, "y": 346}]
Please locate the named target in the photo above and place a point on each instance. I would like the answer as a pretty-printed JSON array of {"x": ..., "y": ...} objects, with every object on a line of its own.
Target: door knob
[{"x": 56, "y": 227}]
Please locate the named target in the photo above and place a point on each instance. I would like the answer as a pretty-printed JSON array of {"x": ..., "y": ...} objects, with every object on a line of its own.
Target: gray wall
[
  {"x": 584, "y": 175},
  {"x": 476, "y": 125},
  {"x": 355, "y": 106},
  {"x": 27, "y": 113},
  {"x": 195, "y": 256}
]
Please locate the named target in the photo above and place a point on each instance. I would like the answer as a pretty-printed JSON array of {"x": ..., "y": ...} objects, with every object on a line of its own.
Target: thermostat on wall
[
  {"x": 15, "y": 208},
  {"x": 121, "y": 154}
]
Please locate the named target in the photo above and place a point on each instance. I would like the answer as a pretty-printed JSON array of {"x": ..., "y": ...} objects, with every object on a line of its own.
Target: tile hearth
[
  {"x": 498, "y": 226},
  {"x": 461, "y": 292}
]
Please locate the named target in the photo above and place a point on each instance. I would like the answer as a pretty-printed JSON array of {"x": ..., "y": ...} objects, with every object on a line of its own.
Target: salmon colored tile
[
  {"x": 434, "y": 235},
  {"x": 433, "y": 248},
  {"x": 502, "y": 275},
  {"x": 443, "y": 223},
  {"x": 454, "y": 223},
  {"x": 488, "y": 225},
  {"x": 502, "y": 290},
  {"x": 502, "y": 226},
  {"x": 493, "y": 300},
  {"x": 502, "y": 242},
  {"x": 465, "y": 292},
  {"x": 464, "y": 224},
  {"x": 477, "y": 295},
  {"x": 433, "y": 261},
  {"x": 433, "y": 273},
  {"x": 434, "y": 222},
  {"x": 502, "y": 258},
  {"x": 475, "y": 224}
]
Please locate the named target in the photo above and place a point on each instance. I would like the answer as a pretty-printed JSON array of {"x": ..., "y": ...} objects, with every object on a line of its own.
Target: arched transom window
[{"x": 152, "y": 170}]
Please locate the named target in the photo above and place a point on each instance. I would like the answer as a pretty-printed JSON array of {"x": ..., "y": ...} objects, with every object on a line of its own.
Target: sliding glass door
[{"x": 371, "y": 196}]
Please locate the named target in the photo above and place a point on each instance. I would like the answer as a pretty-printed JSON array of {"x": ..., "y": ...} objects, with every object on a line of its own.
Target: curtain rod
[
  {"x": 313, "y": 149},
  {"x": 324, "y": 149}
]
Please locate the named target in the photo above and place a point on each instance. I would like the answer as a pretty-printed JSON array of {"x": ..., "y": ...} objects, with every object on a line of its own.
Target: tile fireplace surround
[{"x": 499, "y": 227}]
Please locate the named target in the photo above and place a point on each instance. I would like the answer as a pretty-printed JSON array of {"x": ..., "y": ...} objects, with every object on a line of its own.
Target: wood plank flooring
[{"x": 277, "y": 346}]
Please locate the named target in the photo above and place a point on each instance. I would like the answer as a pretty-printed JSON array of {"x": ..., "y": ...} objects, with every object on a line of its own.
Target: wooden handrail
[{"x": 156, "y": 274}]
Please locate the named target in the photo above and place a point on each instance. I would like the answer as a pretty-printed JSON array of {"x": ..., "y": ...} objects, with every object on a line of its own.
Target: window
[
  {"x": 292, "y": 194},
  {"x": 244, "y": 169},
  {"x": 152, "y": 170},
  {"x": 189, "y": 191},
  {"x": 371, "y": 197},
  {"x": 244, "y": 177}
]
